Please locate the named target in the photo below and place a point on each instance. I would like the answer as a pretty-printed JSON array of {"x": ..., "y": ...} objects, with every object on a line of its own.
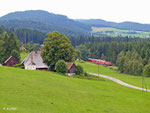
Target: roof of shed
[
  {"x": 69, "y": 64},
  {"x": 8, "y": 59}
]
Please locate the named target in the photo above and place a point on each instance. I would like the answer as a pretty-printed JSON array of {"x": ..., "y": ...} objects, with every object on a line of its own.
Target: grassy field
[
  {"x": 134, "y": 80},
  {"x": 118, "y": 32},
  {"x": 23, "y": 56},
  {"x": 46, "y": 92}
]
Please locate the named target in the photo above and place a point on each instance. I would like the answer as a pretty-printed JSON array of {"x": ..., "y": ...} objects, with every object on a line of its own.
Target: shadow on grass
[{"x": 89, "y": 77}]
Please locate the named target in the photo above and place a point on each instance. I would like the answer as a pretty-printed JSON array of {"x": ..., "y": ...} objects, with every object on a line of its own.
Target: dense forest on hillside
[
  {"x": 85, "y": 39},
  {"x": 34, "y": 25},
  {"x": 44, "y": 21},
  {"x": 34, "y": 36},
  {"x": 26, "y": 35},
  {"x": 30, "y": 36},
  {"x": 49, "y": 22}
]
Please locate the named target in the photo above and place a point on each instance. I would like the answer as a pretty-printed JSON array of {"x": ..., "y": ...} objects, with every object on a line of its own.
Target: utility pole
[{"x": 98, "y": 69}]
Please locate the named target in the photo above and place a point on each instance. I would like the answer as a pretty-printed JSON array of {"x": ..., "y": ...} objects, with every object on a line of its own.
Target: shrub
[
  {"x": 61, "y": 67},
  {"x": 146, "y": 70},
  {"x": 19, "y": 66},
  {"x": 85, "y": 74},
  {"x": 52, "y": 68},
  {"x": 79, "y": 70}
]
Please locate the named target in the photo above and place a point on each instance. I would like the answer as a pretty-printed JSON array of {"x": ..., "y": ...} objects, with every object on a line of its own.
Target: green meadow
[
  {"x": 47, "y": 92},
  {"x": 90, "y": 67},
  {"x": 23, "y": 56},
  {"x": 119, "y": 32},
  {"x": 26, "y": 91},
  {"x": 131, "y": 79}
]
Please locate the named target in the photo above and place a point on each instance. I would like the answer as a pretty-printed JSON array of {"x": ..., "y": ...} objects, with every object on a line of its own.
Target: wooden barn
[
  {"x": 11, "y": 61},
  {"x": 71, "y": 68},
  {"x": 34, "y": 62}
]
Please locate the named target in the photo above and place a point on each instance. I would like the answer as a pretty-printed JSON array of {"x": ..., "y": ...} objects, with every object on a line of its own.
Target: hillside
[
  {"x": 47, "y": 22},
  {"x": 109, "y": 71},
  {"x": 43, "y": 21},
  {"x": 96, "y": 22},
  {"x": 113, "y": 32},
  {"x": 47, "y": 92},
  {"x": 122, "y": 25}
]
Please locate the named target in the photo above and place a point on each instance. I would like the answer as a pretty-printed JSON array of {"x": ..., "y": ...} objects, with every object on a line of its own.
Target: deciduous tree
[
  {"x": 57, "y": 47},
  {"x": 79, "y": 70}
]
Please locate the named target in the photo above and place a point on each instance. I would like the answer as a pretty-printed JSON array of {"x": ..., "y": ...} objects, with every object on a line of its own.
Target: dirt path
[{"x": 119, "y": 81}]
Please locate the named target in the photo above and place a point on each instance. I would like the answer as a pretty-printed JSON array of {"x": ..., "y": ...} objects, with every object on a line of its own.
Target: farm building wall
[
  {"x": 11, "y": 61},
  {"x": 72, "y": 69}
]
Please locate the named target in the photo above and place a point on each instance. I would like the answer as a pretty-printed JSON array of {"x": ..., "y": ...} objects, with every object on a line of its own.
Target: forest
[
  {"x": 9, "y": 46},
  {"x": 131, "y": 55},
  {"x": 46, "y": 22}
]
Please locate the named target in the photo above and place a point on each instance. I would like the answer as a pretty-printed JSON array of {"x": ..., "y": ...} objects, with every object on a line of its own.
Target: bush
[
  {"x": 52, "y": 68},
  {"x": 85, "y": 74},
  {"x": 146, "y": 70},
  {"x": 79, "y": 70},
  {"x": 19, "y": 66},
  {"x": 89, "y": 77},
  {"x": 61, "y": 67}
]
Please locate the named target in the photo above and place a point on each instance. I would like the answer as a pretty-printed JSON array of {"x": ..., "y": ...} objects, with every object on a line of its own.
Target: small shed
[
  {"x": 11, "y": 61},
  {"x": 71, "y": 68}
]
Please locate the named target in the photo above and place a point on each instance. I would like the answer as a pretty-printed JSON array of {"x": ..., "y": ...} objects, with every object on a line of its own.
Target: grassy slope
[
  {"x": 135, "y": 80},
  {"x": 47, "y": 92},
  {"x": 23, "y": 56}
]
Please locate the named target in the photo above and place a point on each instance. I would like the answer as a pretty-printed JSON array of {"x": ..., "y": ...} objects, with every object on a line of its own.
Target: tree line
[
  {"x": 9, "y": 46},
  {"x": 34, "y": 36},
  {"x": 25, "y": 35}
]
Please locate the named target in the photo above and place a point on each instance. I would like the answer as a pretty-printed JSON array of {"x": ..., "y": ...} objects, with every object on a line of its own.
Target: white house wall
[{"x": 30, "y": 67}]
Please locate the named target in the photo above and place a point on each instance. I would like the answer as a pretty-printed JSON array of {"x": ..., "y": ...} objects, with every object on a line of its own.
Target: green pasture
[
  {"x": 23, "y": 56},
  {"x": 131, "y": 79},
  {"x": 119, "y": 32},
  {"x": 47, "y": 92}
]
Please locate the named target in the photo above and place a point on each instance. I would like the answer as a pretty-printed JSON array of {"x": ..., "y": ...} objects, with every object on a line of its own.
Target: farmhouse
[
  {"x": 71, "y": 68},
  {"x": 34, "y": 61},
  {"x": 11, "y": 61}
]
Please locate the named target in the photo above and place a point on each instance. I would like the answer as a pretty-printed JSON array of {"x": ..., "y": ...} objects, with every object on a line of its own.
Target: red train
[{"x": 100, "y": 62}]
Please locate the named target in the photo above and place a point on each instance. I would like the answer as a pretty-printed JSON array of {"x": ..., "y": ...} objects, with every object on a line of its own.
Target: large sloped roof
[{"x": 36, "y": 59}]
